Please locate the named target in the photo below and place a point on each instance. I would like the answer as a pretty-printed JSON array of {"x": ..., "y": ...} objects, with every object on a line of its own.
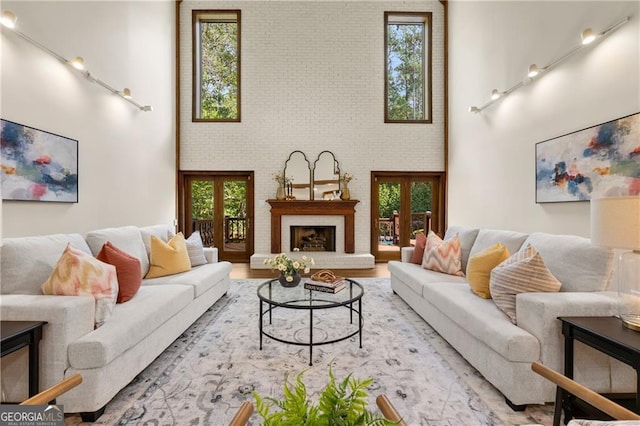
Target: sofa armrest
[
  {"x": 406, "y": 253},
  {"x": 67, "y": 318},
  {"x": 211, "y": 254},
  {"x": 537, "y": 313}
]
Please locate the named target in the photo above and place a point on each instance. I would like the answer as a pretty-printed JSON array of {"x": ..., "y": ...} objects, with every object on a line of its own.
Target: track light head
[
  {"x": 126, "y": 93},
  {"x": 474, "y": 109},
  {"x": 495, "y": 94},
  {"x": 77, "y": 63},
  {"x": 587, "y": 36},
  {"x": 8, "y": 19},
  {"x": 533, "y": 71},
  {"x": 147, "y": 108}
]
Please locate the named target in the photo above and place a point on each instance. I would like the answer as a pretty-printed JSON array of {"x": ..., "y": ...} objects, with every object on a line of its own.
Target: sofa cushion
[
  {"x": 130, "y": 323},
  {"x": 482, "y": 319},
  {"x": 80, "y": 274},
  {"x": 195, "y": 249},
  {"x": 164, "y": 232},
  {"x": 27, "y": 262},
  {"x": 467, "y": 238},
  {"x": 418, "y": 251},
  {"x": 590, "y": 268},
  {"x": 442, "y": 256},
  {"x": 488, "y": 237},
  {"x": 126, "y": 238},
  {"x": 480, "y": 266},
  {"x": 127, "y": 270},
  {"x": 416, "y": 277},
  {"x": 168, "y": 258},
  {"x": 524, "y": 272},
  {"x": 201, "y": 278}
]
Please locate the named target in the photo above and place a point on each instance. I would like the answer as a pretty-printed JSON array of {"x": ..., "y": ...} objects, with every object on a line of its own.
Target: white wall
[
  {"x": 126, "y": 156},
  {"x": 312, "y": 80},
  {"x": 491, "y": 154}
]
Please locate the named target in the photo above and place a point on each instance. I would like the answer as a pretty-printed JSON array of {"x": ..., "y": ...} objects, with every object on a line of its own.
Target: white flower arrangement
[
  {"x": 288, "y": 267},
  {"x": 346, "y": 178}
]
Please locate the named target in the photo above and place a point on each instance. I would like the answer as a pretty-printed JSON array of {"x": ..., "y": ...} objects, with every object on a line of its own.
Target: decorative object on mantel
[
  {"x": 282, "y": 183},
  {"x": 290, "y": 268},
  {"x": 603, "y": 159},
  {"x": 37, "y": 165},
  {"x": 8, "y": 20},
  {"x": 534, "y": 72},
  {"x": 615, "y": 223},
  {"x": 345, "y": 193}
]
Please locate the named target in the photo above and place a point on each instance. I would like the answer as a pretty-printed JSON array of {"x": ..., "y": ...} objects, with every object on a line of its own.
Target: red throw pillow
[
  {"x": 418, "y": 252},
  {"x": 128, "y": 270}
]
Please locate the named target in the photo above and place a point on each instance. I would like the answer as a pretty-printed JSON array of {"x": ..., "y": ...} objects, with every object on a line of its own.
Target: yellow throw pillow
[
  {"x": 480, "y": 266},
  {"x": 168, "y": 258}
]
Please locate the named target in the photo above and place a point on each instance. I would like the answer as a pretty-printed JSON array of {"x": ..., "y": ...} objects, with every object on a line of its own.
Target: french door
[
  {"x": 403, "y": 204},
  {"x": 220, "y": 206}
]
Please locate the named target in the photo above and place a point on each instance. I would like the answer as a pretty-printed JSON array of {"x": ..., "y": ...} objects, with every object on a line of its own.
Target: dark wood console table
[
  {"x": 344, "y": 208},
  {"x": 18, "y": 334},
  {"x": 607, "y": 335}
]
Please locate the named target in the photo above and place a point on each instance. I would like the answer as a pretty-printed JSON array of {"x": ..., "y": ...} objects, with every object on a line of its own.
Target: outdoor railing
[{"x": 389, "y": 227}]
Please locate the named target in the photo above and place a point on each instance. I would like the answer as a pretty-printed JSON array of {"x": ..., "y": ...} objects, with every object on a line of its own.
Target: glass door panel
[
  {"x": 421, "y": 208},
  {"x": 202, "y": 212},
  {"x": 219, "y": 205},
  {"x": 403, "y": 204},
  {"x": 235, "y": 216},
  {"x": 388, "y": 219}
]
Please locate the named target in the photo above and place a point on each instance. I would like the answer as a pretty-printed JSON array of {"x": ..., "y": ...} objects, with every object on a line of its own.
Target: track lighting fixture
[
  {"x": 588, "y": 36},
  {"x": 8, "y": 19},
  {"x": 77, "y": 63},
  {"x": 533, "y": 71}
]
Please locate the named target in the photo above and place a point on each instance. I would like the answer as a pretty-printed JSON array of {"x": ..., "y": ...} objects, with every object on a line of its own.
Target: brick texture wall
[{"x": 312, "y": 80}]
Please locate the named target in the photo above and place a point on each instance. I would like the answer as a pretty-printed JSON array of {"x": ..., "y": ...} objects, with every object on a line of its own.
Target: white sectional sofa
[
  {"x": 139, "y": 330},
  {"x": 500, "y": 350}
]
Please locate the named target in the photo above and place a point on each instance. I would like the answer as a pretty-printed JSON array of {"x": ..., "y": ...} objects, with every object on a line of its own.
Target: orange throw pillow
[
  {"x": 418, "y": 251},
  {"x": 128, "y": 270}
]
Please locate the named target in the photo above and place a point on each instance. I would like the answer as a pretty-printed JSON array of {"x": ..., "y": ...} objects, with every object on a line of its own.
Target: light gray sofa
[
  {"x": 139, "y": 330},
  {"x": 502, "y": 351}
]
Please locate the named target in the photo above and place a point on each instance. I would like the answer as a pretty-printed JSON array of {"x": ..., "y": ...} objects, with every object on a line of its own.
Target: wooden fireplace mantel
[{"x": 344, "y": 208}]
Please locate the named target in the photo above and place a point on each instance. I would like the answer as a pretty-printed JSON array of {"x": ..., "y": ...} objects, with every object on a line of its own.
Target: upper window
[
  {"x": 216, "y": 65},
  {"x": 407, "y": 46}
]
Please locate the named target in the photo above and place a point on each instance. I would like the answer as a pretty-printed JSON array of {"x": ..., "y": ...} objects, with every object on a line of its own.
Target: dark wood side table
[
  {"x": 18, "y": 334},
  {"x": 607, "y": 335}
]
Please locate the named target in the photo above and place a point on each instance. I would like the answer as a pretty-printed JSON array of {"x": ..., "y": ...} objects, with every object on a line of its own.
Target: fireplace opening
[{"x": 313, "y": 238}]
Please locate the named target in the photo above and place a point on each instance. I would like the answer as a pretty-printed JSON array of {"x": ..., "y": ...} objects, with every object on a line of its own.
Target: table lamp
[{"x": 615, "y": 223}]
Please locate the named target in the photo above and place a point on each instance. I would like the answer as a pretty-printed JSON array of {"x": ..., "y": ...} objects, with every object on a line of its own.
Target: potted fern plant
[{"x": 340, "y": 403}]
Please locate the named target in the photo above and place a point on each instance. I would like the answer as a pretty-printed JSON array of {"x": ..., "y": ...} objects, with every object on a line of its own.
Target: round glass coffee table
[{"x": 340, "y": 321}]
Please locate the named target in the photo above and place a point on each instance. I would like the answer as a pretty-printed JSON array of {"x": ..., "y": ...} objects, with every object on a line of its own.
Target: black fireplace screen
[{"x": 313, "y": 238}]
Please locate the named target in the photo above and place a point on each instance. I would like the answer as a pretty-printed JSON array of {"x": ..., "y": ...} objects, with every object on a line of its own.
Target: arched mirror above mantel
[
  {"x": 297, "y": 172},
  {"x": 326, "y": 177}
]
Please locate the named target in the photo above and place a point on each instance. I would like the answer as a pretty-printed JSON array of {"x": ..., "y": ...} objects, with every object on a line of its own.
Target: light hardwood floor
[{"x": 242, "y": 270}]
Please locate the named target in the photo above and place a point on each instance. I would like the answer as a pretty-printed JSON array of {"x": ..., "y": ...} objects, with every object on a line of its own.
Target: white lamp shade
[{"x": 615, "y": 222}]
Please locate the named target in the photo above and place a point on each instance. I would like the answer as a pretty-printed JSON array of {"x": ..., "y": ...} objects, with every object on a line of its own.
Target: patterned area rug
[{"x": 204, "y": 377}]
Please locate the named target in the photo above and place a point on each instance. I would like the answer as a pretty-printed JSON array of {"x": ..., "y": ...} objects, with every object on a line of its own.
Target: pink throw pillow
[{"x": 443, "y": 256}]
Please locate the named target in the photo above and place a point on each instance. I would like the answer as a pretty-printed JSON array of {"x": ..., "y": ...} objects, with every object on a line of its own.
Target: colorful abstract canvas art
[
  {"x": 37, "y": 165},
  {"x": 603, "y": 160}
]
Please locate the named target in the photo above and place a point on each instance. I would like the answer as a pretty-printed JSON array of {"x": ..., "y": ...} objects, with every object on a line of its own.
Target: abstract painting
[
  {"x": 37, "y": 165},
  {"x": 603, "y": 160}
]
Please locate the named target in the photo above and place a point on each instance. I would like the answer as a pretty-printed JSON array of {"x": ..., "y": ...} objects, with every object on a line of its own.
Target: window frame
[
  {"x": 426, "y": 18},
  {"x": 196, "y": 109}
]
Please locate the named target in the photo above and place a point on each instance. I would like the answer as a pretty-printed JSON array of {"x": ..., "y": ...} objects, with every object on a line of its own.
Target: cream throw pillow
[
  {"x": 168, "y": 258},
  {"x": 80, "y": 274},
  {"x": 480, "y": 266},
  {"x": 443, "y": 256},
  {"x": 524, "y": 272}
]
